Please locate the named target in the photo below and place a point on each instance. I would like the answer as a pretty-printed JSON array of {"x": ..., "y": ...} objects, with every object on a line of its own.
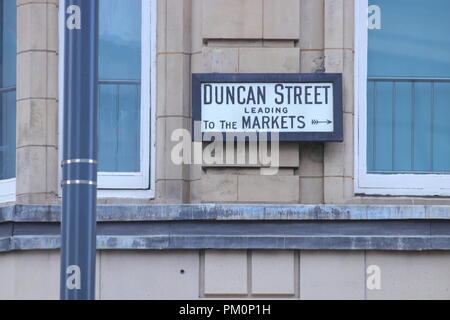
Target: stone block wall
[
  {"x": 37, "y": 101},
  {"x": 205, "y": 36},
  {"x": 237, "y": 274}
]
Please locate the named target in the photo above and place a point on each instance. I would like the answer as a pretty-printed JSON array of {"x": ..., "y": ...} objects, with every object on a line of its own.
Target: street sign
[
  {"x": 300, "y": 107},
  {"x": 79, "y": 185}
]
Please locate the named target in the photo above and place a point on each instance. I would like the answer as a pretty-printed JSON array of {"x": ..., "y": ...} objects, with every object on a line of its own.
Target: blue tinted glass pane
[
  {"x": 408, "y": 95},
  {"x": 120, "y": 40},
  {"x": 441, "y": 128},
  {"x": 7, "y": 135},
  {"x": 414, "y": 39},
  {"x": 8, "y": 43},
  {"x": 371, "y": 125},
  {"x": 7, "y": 90},
  {"x": 403, "y": 127},
  {"x": 384, "y": 128},
  {"x": 119, "y": 128},
  {"x": 422, "y": 128}
]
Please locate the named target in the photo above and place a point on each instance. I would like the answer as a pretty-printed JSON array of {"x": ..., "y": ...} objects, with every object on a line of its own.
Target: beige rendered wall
[{"x": 235, "y": 275}]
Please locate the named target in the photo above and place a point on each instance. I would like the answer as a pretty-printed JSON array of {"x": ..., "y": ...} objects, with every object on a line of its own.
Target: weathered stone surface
[
  {"x": 225, "y": 272},
  {"x": 234, "y": 19}
]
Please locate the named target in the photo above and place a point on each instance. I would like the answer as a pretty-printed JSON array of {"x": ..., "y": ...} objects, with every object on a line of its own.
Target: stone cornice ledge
[
  {"x": 238, "y": 212},
  {"x": 289, "y": 227}
]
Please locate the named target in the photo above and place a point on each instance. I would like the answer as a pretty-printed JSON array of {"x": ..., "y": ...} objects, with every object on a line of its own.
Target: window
[
  {"x": 403, "y": 97},
  {"x": 7, "y": 100},
  {"x": 126, "y": 79}
]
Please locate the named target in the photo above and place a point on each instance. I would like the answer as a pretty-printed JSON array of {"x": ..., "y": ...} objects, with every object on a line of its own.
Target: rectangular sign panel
[{"x": 299, "y": 107}]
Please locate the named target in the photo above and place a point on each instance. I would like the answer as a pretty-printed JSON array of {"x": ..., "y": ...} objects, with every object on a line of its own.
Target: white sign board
[
  {"x": 267, "y": 107},
  {"x": 286, "y": 107}
]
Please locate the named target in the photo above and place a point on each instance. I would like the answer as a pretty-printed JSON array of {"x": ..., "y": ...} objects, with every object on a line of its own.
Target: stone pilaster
[{"x": 37, "y": 102}]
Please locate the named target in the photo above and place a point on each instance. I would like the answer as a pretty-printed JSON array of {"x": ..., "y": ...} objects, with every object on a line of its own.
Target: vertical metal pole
[{"x": 79, "y": 185}]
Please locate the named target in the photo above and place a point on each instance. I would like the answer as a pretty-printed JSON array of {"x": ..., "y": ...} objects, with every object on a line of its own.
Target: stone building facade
[{"x": 311, "y": 231}]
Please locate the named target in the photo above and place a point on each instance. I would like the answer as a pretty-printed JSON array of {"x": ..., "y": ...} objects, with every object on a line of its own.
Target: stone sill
[
  {"x": 197, "y": 227},
  {"x": 239, "y": 212}
]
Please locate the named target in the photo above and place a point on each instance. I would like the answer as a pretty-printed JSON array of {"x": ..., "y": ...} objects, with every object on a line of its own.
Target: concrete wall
[{"x": 235, "y": 275}]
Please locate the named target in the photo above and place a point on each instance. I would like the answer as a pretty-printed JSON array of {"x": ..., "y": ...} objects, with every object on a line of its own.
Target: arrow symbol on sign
[{"x": 316, "y": 122}]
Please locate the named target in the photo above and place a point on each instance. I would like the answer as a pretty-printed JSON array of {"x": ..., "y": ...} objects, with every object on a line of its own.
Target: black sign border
[{"x": 336, "y": 78}]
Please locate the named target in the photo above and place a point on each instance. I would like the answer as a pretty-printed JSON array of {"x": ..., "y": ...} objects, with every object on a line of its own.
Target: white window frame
[
  {"x": 381, "y": 184},
  {"x": 7, "y": 190},
  {"x": 116, "y": 184}
]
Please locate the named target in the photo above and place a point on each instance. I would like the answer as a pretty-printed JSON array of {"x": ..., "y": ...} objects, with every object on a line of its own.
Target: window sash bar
[
  {"x": 413, "y": 79},
  {"x": 120, "y": 82},
  {"x": 8, "y": 89}
]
